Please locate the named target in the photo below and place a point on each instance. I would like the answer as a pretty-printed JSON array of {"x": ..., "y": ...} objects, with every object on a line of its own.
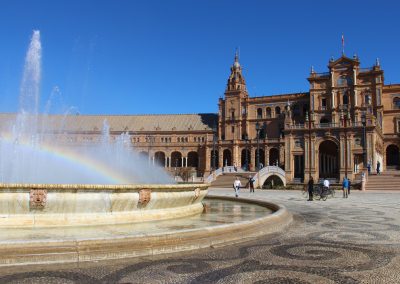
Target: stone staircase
[
  {"x": 388, "y": 180},
  {"x": 226, "y": 180}
]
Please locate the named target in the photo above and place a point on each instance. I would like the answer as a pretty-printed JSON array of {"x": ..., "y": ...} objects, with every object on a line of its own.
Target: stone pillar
[
  {"x": 208, "y": 157},
  {"x": 235, "y": 154},
  {"x": 355, "y": 97},
  {"x": 288, "y": 167},
  {"x": 281, "y": 156},
  {"x": 253, "y": 157},
  {"x": 182, "y": 162},
  {"x": 220, "y": 157},
  {"x": 165, "y": 161},
  {"x": 266, "y": 155}
]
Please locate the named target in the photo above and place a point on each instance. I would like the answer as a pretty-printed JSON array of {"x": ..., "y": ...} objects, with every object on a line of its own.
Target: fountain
[
  {"x": 46, "y": 183},
  {"x": 100, "y": 201}
]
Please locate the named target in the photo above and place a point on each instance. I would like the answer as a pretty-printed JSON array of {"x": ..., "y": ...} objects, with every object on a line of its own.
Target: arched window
[
  {"x": 345, "y": 99},
  {"x": 259, "y": 113},
  {"x": 367, "y": 99},
  {"x": 268, "y": 112},
  {"x": 277, "y": 111}
]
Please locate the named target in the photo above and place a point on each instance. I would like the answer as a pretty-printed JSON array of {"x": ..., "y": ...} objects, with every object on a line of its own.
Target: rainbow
[{"x": 67, "y": 155}]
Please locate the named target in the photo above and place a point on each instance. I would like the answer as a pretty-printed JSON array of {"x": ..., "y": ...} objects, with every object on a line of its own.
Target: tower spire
[{"x": 236, "y": 81}]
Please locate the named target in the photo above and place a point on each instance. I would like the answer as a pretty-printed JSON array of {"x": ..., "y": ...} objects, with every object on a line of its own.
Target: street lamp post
[
  {"x": 258, "y": 145},
  {"x": 213, "y": 153},
  {"x": 364, "y": 123},
  {"x": 246, "y": 140},
  {"x": 309, "y": 144},
  {"x": 345, "y": 117}
]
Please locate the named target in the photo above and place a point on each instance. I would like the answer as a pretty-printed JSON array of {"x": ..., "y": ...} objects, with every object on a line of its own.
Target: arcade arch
[
  {"x": 328, "y": 157},
  {"x": 392, "y": 156}
]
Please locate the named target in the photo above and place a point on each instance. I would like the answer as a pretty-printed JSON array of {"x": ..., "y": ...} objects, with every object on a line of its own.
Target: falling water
[{"x": 30, "y": 152}]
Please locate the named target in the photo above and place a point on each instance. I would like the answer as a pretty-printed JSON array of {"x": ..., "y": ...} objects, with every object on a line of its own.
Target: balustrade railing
[{"x": 321, "y": 74}]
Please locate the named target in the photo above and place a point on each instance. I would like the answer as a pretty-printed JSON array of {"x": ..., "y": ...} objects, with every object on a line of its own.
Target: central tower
[{"x": 232, "y": 109}]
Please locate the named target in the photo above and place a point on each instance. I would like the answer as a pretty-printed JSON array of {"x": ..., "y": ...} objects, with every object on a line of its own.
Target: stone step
[
  {"x": 388, "y": 180},
  {"x": 227, "y": 179}
]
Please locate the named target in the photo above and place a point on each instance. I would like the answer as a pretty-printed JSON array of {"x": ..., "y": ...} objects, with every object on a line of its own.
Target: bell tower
[
  {"x": 232, "y": 108},
  {"x": 236, "y": 83}
]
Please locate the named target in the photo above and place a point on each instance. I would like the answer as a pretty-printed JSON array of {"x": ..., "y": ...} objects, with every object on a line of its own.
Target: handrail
[
  {"x": 228, "y": 169},
  {"x": 269, "y": 169}
]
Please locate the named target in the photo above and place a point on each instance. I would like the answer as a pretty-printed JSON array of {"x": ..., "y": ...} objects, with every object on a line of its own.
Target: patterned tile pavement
[{"x": 354, "y": 240}]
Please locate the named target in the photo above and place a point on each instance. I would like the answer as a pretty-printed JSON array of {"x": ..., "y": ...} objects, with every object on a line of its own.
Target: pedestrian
[
  {"x": 349, "y": 186},
  {"x": 234, "y": 167},
  {"x": 369, "y": 168},
  {"x": 345, "y": 186},
  {"x": 378, "y": 168},
  {"x": 251, "y": 184},
  {"x": 236, "y": 186},
  {"x": 310, "y": 189}
]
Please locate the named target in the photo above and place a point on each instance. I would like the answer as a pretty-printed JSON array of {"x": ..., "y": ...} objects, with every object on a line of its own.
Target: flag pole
[{"x": 342, "y": 44}]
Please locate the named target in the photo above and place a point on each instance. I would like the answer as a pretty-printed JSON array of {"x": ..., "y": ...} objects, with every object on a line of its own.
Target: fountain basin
[
  {"x": 44, "y": 205},
  {"x": 225, "y": 221}
]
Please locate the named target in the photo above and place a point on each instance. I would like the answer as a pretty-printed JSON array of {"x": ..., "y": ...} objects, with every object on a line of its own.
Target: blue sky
[{"x": 119, "y": 57}]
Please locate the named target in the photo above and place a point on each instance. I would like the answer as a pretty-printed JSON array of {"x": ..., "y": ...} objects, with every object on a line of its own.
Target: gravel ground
[{"x": 354, "y": 240}]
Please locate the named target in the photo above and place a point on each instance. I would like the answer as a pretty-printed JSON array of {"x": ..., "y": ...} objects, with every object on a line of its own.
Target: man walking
[
  {"x": 236, "y": 186},
  {"x": 310, "y": 189},
  {"x": 378, "y": 168},
  {"x": 345, "y": 185}
]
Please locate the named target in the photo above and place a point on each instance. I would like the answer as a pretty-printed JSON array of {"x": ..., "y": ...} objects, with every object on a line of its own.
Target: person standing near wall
[{"x": 378, "y": 168}]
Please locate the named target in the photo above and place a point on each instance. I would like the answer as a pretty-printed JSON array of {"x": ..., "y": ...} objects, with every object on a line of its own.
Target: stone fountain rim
[
  {"x": 97, "y": 250},
  {"x": 160, "y": 187}
]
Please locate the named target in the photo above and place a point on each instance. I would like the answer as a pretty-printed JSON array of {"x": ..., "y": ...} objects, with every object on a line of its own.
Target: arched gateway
[
  {"x": 392, "y": 157},
  {"x": 328, "y": 158}
]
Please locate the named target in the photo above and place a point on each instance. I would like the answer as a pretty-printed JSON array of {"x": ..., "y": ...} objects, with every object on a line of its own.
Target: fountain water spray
[{"x": 36, "y": 148}]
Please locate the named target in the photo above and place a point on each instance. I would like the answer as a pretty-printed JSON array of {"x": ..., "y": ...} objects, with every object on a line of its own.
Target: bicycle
[{"x": 320, "y": 192}]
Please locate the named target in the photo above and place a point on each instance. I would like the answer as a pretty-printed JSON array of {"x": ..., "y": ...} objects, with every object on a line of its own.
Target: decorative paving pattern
[{"x": 354, "y": 240}]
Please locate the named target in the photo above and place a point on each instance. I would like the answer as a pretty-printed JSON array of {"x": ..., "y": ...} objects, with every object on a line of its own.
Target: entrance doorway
[
  {"x": 328, "y": 160},
  {"x": 299, "y": 167},
  {"x": 392, "y": 157},
  {"x": 227, "y": 158},
  {"x": 274, "y": 157}
]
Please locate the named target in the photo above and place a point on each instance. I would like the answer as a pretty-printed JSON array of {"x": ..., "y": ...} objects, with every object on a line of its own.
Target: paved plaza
[{"x": 354, "y": 240}]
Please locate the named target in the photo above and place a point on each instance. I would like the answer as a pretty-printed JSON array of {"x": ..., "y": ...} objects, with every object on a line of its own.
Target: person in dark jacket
[
  {"x": 251, "y": 184},
  {"x": 349, "y": 186},
  {"x": 310, "y": 189}
]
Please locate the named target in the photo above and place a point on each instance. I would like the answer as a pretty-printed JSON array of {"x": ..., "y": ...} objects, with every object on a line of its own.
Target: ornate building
[{"x": 347, "y": 119}]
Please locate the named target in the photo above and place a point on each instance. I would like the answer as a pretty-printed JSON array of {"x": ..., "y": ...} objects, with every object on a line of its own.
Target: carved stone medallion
[
  {"x": 144, "y": 197},
  {"x": 37, "y": 198}
]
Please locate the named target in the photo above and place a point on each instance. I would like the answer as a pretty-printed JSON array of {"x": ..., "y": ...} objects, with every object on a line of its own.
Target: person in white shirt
[
  {"x": 236, "y": 186},
  {"x": 326, "y": 184}
]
